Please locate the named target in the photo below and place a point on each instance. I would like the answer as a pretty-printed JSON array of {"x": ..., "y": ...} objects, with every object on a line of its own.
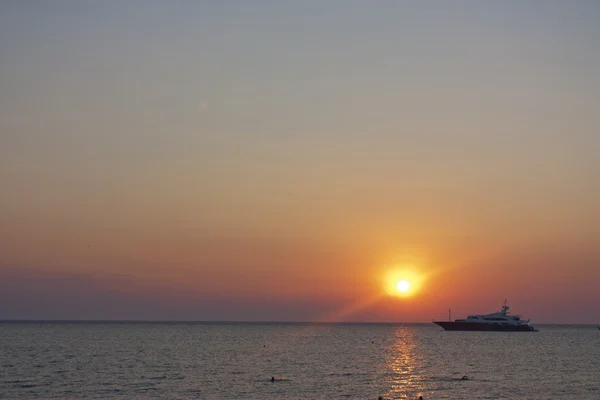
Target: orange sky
[{"x": 229, "y": 163}]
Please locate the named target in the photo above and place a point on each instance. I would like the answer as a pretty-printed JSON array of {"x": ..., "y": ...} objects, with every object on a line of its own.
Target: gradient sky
[{"x": 275, "y": 160}]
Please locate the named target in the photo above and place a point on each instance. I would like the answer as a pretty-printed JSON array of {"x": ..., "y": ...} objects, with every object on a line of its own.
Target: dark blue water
[{"x": 309, "y": 361}]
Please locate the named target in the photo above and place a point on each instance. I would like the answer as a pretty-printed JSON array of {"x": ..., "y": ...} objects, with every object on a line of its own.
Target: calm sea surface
[{"x": 309, "y": 361}]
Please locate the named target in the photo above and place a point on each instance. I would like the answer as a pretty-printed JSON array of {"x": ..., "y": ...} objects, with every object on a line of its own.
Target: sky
[{"x": 291, "y": 160}]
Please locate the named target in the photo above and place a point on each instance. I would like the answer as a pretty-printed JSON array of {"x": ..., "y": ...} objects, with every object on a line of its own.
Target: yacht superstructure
[{"x": 497, "y": 321}]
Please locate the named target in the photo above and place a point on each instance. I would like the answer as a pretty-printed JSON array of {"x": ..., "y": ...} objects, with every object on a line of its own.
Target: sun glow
[
  {"x": 403, "y": 286},
  {"x": 403, "y": 281}
]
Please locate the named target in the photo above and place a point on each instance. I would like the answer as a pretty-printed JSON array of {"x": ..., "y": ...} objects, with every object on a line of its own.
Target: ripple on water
[{"x": 220, "y": 361}]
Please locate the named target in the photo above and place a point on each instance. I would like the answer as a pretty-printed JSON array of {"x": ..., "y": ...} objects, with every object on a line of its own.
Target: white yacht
[{"x": 497, "y": 321}]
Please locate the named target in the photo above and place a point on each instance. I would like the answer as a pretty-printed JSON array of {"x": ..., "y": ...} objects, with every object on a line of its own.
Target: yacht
[{"x": 498, "y": 321}]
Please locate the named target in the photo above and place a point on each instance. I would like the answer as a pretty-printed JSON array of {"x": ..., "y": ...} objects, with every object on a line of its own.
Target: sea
[{"x": 165, "y": 360}]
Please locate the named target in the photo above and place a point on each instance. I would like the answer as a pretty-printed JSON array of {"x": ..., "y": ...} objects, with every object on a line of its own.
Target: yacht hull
[{"x": 483, "y": 327}]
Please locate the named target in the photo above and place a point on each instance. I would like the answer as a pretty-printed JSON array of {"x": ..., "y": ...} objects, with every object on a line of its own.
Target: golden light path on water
[{"x": 403, "y": 361}]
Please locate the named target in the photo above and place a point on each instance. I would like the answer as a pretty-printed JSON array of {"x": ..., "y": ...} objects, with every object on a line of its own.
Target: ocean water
[{"x": 309, "y": 361}]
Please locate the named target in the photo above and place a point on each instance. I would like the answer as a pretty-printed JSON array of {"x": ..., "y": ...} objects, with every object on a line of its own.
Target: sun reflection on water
[{"x": 402, "y": 371}]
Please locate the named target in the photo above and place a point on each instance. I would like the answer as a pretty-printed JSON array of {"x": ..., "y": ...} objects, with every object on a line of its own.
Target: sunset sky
[{"x": 289, "y": 160}]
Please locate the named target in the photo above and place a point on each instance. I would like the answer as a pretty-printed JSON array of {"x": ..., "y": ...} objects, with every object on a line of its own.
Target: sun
[
  {"x": 403, "y": 286},
  {"x": 403, "y": 281}
]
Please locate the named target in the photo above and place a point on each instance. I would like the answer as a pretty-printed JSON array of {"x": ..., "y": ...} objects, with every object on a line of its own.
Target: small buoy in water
[{"x": 272, "y": 379}]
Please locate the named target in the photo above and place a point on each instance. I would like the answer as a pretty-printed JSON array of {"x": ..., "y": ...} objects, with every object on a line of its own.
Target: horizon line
[{"x": 156, "y": 321}]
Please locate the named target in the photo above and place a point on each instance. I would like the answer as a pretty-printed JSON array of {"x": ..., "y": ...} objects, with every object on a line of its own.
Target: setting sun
[
  {"x": 403, "y": 281},
  {"x": 403, "y": 286}
]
